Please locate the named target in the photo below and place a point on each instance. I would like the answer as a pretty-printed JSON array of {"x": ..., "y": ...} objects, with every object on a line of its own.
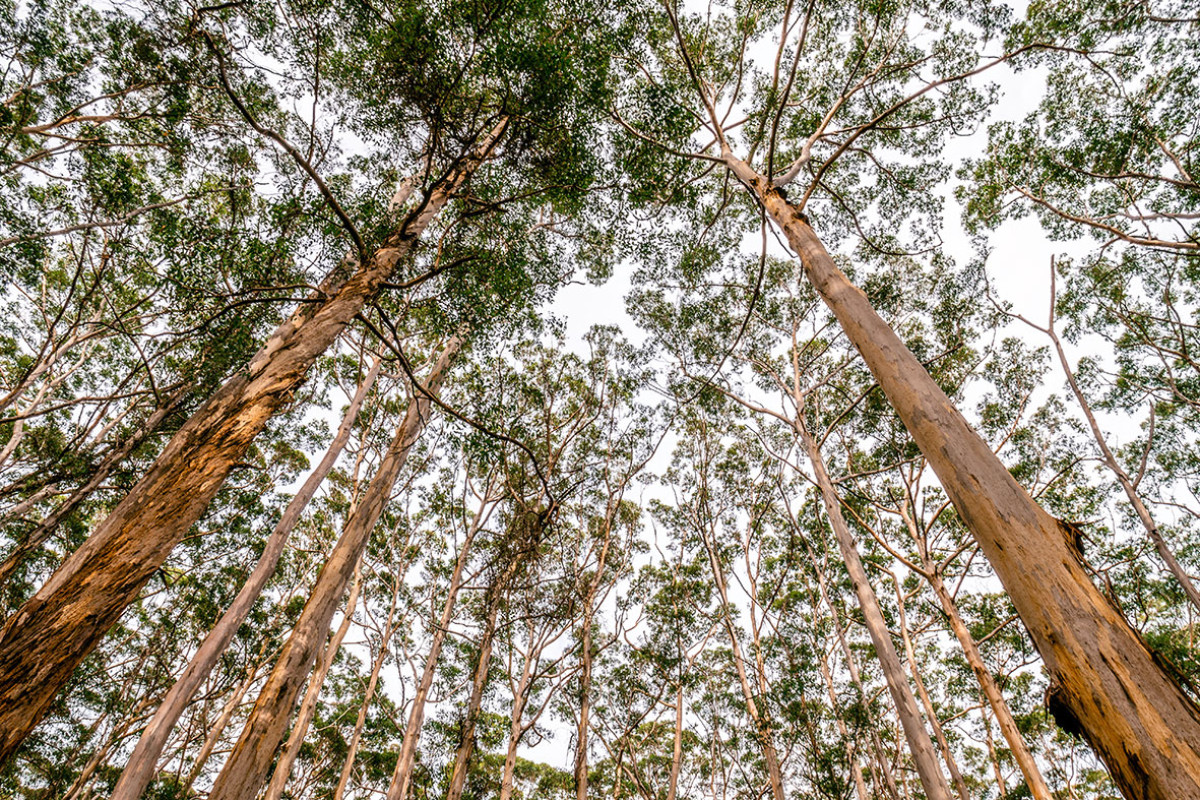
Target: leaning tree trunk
[
  {"x": 1105, "y": 681},
  {"x": 42, "y": 643},
  {"x": 140, "y": 769},
  {"x": 312, "y": 694},
  {"x": 402, "y": 775},
  {"x": 1034, "y": 781},
  {"x": 759, "y": 719},
  {"x": 246, "y": 768},
  {"x": 46, "y": 528},
  {"x": 466, "y": 742},
  {"x": 924, "y": 756}
]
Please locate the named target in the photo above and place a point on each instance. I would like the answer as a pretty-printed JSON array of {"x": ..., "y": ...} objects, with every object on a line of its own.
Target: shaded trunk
[
  {"x": 140, "y": 768},
  {"x": 46, "y": 528},
  {"x": 1105, "y": 681},
  {"x": 43, "y": 642},
  {"x": 247, "y": 766},
  {"x": 402, "y": 776},
  {"x": 308, "y": 706},
  {"x": 915, "y": 734}
]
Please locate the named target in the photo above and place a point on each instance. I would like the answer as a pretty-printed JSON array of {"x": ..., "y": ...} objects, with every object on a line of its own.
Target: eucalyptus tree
[
  {"x": 852, "y": 90},
  {"x": 461, "y": 104}
]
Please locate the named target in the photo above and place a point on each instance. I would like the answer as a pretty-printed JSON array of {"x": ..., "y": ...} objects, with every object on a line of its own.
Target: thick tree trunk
[
  {"x": 247, "y": 766},
  {"x": 43, "y": 642},
  {"x": 140, "y": 769},
  {"x": 46, "y": 528},
  {"x": 312, "y": 693},
  {"x": 1104, "y": 678},
  {"x": 402, "y": 776},
  {"x": 915, "y": 734}
]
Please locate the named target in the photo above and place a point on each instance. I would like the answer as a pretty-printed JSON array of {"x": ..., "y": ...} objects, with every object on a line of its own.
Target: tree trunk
[
  {"x": 516, "y": 727},
  {"x": 762, "y": 726},
  {"x": 677, "y": 747},
  {"x": 923, "y": 692},
  {"x": 247, "y": 766},
  {"x": 140, "y": 769},
  {"x": 1038, "y": 788},
  {"x": 218, "y": 729},
  {"x": 1105, "y": 681},
  {"x": 466, "y": 742},
  {"x": 585, "y": 703},
  {"x": 308, "y": 706},
  {"x": 860, "y": 786},
  {"x": 402, "y": 776},
  {"x": 43, "y": 642},
  {"x": 915, "y": 734},
  {"x": 368, "y": 695},
  {"x": 39, "y": 535}
]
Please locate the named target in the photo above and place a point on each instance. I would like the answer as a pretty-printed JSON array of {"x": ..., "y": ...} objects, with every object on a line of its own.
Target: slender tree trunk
[
  {"x": 140, "y": 768},
  {"x": 924, "y": 756},
  {"x": 1038, "y": 788},
  {"x": 402, "y": 776},
  {"x": 860, "y": 786},
  {"x": 1139, "y": 721},
  {"x": 1110, "y": 460},
  {"x": 585, "y": 703},
  {"x": 881, "y": 761},
  {"x": 677, "y": 748},
  {"x": 218, "y": 728},
  {"x": 516, "y": 727},
  {"x": 42, "y": 533},
  {"x": 312, "y": 694},
  {"x": 910, "y": 654},
  {"x": 43, "y": 642},
  {"x": 368, "y": 695},
  {"x": 466, "y": 742},
  {"x": 247, "y": 766},
  {"x": 761, "y": 724},
  {"x": 994, "y": 757}
]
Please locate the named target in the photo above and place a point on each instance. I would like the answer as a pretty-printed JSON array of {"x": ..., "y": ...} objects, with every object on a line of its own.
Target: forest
[{"x": 581, "y": 399}]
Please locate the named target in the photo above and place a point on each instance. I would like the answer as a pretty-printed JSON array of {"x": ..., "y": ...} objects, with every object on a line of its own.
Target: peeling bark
[
  {"x": 140, "y": 769},
  {"x": 42, "y": 643},
  {"x": 246, "y": 769}
]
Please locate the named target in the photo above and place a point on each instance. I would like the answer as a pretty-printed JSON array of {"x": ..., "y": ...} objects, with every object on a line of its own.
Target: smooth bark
[
  {"x": 246, "y": 769},
  {"x": 43, "y": 642},
  {"x": 1138, "y": 720},
  {"x": 140, "y": 769},
  {"x": 924, "y": 757},
  {"x": 402, "y": 776}
]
